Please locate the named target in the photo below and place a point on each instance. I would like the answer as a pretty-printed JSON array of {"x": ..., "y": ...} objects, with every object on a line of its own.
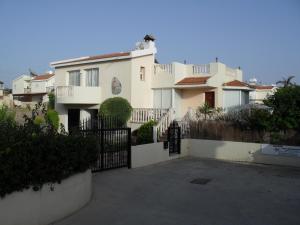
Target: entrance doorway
[
  {"x": 210, "y": 98},
  {"x": 73, "y": 119}
]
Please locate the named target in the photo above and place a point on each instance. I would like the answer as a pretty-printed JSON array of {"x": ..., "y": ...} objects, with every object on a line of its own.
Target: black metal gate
[
  {"x": 114, "y": 142},
  {"x": 174, "y": 138}
]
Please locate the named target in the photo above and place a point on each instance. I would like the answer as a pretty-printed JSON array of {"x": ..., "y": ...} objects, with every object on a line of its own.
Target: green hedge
[
  {"x": 145, "y": 133},
  {"x": 31, "y": 156}
]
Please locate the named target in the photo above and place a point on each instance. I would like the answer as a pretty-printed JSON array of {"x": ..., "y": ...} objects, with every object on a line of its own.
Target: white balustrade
[
  {"x": 64, "y": 91},
  {"x": 143, "y": 115},
  {"x": 163, "y": 124},
  {"x": 197, "y": 69},
  {"x": 164, "y": 67}
]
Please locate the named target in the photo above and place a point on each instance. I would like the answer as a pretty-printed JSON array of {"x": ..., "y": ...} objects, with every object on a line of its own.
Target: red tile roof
[
  {"x": 236, "y": 83},
  {"x": 43, "y": 77},
  {"x": 262, "y": 87},
  {"x": 193, "y": 81},
  {"x": 103, "y": 56}
]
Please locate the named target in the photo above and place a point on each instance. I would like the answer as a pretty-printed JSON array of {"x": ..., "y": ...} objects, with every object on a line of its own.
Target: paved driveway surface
[{"x": 162, "y": 194}]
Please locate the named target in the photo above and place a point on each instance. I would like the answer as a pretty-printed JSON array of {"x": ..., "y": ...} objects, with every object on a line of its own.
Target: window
[
  {"x": 142, "y": 73},
  {"x": 162, "y": 98},
  {"x": 74, "y": 78},
  {"x": 92, "y": 78}
]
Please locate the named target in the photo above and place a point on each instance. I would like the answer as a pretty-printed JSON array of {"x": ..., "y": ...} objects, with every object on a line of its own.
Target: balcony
[{"x": 78, "y": 95}]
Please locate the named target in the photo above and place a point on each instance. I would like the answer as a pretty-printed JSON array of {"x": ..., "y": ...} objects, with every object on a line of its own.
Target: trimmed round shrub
[
  {"x": 116, "y": 107},
  {"x": 145, "y": 133}
]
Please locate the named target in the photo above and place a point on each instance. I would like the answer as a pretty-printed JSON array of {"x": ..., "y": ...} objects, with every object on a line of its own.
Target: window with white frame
[
  {"x": 92, "y": 77},
  {"x": 74, "y": 78},
  {"x": 142, "y": 73}
]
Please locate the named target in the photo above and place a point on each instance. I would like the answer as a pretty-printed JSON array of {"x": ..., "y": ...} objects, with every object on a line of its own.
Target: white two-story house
[
  {"x": 32, "y": 89},
  {"x": 152, "y": 89}
]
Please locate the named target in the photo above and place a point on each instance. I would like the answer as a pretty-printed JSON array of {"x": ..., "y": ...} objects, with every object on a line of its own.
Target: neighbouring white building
[
  {"x": 159, "y": 91},
  {"x": 260, "y": 92},
  {"x": 32, "y": 89}
]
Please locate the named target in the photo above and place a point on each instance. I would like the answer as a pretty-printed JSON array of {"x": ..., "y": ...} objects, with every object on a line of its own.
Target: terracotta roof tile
[
  {"x": 262, "y": 87},
  {"x": 43, "y": 77},
  {"x": 103, "y": 56},
  {"x": 236, "y": 83},
  {"x": 193, "y": 81}
]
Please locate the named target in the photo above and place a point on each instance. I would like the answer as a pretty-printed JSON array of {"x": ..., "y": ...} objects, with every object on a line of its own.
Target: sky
[{"x": 260, "y": 36}]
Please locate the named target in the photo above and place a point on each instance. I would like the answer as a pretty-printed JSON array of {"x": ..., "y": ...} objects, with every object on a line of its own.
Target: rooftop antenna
[{"x": 32, "y": 73}]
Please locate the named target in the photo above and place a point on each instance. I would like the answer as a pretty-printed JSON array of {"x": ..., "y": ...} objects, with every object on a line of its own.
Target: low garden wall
[
  {"x": 237, "y": 151},
  {"x": 143, "y": 155},
  {"x": 147, "y": 154},
  {"x": 46, "y": 206}
]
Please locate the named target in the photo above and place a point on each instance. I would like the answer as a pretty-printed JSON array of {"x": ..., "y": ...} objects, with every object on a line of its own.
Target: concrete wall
[
  {"x": 143, "y": 155},
  {"x": 237, "y": 151},
  {"x": 45, "y": 206},
  {"x": 141, "y": 92}
]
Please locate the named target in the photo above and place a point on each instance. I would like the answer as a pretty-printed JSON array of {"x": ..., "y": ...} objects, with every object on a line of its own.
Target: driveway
[{"x": 163, "y": 194}]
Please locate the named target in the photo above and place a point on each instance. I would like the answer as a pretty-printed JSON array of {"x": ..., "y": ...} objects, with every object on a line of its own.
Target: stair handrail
[{"x": 163, "y": 124}]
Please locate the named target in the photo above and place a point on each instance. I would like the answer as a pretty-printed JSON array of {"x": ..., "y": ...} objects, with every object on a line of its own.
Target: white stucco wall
[
  {"x": 20, "y": 83},
  {"x": 143, "y": 155},
  {"x": 45, "y": 206},
  {"x": 141, "y": 92}
]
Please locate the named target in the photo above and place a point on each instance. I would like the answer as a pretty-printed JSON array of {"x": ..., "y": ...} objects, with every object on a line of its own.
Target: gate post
[
  {"x": 129, "y": 148},
  {"x": 102, "y": 143}
]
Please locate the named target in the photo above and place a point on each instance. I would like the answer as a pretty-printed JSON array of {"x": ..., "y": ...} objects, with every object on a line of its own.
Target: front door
[
  {"x": 210, "y": 98},
  {"x": 73, "y": 119}
]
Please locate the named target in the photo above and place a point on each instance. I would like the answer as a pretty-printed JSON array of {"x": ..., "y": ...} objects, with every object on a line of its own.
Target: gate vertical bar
[
  {"x": 129, "y": 148},
  {"x": 102, "y": 144}
]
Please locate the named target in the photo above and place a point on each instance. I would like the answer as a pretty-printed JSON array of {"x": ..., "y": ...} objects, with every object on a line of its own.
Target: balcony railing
[
  {"x": 50, "y": 89},
  {"x": 27, "y": 90},
  {"x": 78, "y": 95},
  {"x": 164, "y": 67},
  {"x": 65, "y": 91},
  {"x": 198, "y": 69}
]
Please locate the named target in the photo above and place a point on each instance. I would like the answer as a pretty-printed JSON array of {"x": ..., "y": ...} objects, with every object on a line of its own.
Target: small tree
[
  {"x": 286, "y": 81},
  {"x": 116, "y": 107},
  {"x": 51, "y": 103},
  {"x": 285, "y": 105},
  {"x": 207, "y": 111}
]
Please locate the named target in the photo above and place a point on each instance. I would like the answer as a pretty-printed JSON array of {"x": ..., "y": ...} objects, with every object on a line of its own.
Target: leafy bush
[
  {"x": 6, "y": 114},
  {"x": 39, "y": 120},
  {"x": 116, "y": 107},
  {"x": 145, "y": 133},
  {"x": 32, "y": 155},
  {"x": 251, "y": 118},
  {"x": 52, "y": 118},
  {"x": 205, "y": 112},
  {"x": 285, "y": 105}
]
